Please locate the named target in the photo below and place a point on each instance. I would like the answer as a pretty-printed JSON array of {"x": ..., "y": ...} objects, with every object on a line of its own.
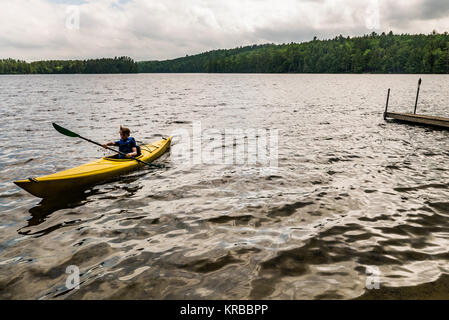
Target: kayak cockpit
[{"x": 115, "y": 158}]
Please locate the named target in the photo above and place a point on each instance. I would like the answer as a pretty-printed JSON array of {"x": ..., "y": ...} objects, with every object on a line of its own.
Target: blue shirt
[{"x": 126, "y": 146}]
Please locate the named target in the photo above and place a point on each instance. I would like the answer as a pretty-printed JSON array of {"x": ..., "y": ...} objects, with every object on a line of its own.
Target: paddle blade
[{"x": 65, "y": 131}]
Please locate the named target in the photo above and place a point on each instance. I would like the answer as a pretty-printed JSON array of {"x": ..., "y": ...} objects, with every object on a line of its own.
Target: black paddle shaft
[
  {"x": 119, "y": 152},
  {"x": 98, "y": 144},
  {"x": 72, "y": 134}
]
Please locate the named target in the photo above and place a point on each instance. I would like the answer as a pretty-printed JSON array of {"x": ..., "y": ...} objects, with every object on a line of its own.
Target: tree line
[
  {"x": 373, "y": 53},
  {"x": 105, "y": 65}
]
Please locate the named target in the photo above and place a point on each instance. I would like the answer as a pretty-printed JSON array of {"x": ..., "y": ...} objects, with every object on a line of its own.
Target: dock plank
[{"x": 419, "y": 119}]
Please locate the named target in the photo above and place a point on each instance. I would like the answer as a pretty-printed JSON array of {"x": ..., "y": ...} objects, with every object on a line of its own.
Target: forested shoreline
[
  {"x": 105, "y": 65},
  {"x": 374, "y": 53}
]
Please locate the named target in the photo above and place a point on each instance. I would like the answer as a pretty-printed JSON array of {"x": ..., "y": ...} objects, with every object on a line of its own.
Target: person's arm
[
  {"x": 108, "y": 144},
  {"x": 132, "y": 154}
]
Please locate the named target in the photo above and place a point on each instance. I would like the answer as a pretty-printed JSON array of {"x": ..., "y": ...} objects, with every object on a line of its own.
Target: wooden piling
[
  {"x": 417, "y": 95},
  {"x": 386, "y": 106}
]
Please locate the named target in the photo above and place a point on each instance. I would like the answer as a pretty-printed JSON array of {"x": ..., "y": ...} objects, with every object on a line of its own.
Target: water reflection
[{"x": 47, "y": 206}]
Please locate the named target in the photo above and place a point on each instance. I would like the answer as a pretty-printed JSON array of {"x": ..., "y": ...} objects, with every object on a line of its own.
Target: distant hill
[
  {"x": 374, "y": 53},
  {"x": 200, "y": 62}
]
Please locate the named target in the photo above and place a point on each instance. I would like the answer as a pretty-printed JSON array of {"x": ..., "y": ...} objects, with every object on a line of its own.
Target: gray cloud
[
  {"x": 160, "y": 29},
  {"x": 404, "y": 15},
  {"x": 431, "y": 9}
]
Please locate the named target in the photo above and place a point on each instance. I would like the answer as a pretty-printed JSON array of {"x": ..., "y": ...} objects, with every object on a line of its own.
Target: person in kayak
[{"x": 126, "y": 144}]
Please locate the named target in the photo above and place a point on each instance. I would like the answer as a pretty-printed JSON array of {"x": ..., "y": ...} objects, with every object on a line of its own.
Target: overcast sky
[{"x": 163, "y": 29}]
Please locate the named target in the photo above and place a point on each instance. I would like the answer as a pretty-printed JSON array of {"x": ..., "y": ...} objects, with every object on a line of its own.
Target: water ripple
[{"x": 351, "y": 191}]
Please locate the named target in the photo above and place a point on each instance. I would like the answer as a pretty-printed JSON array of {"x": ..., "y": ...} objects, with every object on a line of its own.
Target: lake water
[{"x": 355, "y": 202}]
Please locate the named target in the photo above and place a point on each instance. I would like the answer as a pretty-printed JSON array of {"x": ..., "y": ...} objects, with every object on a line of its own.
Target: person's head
[{"x": 124, "y": 132}]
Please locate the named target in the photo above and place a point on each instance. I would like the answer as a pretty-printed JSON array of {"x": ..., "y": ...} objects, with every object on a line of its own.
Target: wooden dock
[
  {"x": 413, "y": 118},
  {"x": 419, "y": 119}
]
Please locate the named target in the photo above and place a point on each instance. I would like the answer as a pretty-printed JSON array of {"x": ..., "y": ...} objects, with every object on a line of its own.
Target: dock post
[
  {"x": 417, "y": 95},
  {"x": 386, "y": 106}
]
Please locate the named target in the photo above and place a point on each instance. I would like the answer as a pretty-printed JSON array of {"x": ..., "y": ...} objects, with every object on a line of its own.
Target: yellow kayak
[{"x": 90, "y": 173}]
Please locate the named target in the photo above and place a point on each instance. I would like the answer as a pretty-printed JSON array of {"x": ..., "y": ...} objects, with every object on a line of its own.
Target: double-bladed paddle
[{"x": 72, "y": 134}]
